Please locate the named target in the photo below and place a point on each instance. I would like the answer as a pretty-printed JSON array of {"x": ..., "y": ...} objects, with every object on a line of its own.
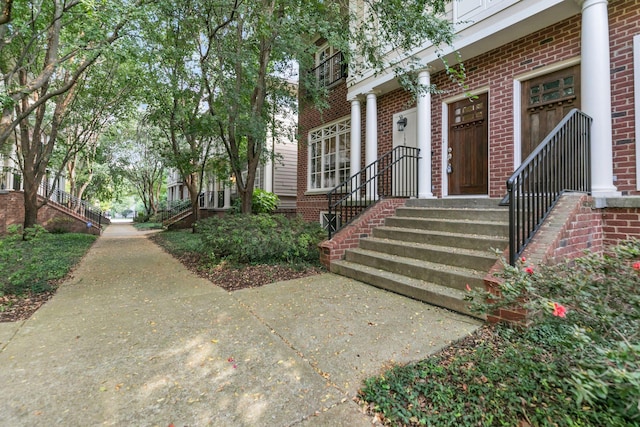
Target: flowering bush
[{"x": 592, "y": 305}]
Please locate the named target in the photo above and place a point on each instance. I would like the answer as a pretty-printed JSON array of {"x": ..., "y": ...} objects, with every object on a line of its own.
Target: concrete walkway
[{"x": 134, "y": 339}]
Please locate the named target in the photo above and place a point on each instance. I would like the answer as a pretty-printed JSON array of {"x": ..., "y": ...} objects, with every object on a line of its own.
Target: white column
[
  {"x": 356, "y": 140},
  {"x": 424, "y": 137},
  {"x": 596, "y": 94},
  {"x": 268, "y": 167},
  {"x": 371, "y": 141},
  {"x": 227, "y": 197}
]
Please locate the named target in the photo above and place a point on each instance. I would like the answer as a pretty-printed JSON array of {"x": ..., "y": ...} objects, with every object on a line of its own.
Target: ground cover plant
[
  {"x": 32, "y": 268},
  {"x": 576, "y": 363},
  {"x": 241, "y": 251}
]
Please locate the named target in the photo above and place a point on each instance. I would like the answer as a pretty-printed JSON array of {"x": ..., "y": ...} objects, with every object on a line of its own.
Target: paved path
[{"x": 134, "y": 339}]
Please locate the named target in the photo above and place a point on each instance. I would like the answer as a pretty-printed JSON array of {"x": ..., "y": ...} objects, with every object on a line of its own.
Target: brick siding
[
  {"x": 349, "y": 236},
  {"x": 49, "y": 216}
]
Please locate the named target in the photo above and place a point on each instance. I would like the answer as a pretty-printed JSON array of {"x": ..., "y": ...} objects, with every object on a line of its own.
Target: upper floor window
[
  {"x": 329, "y": 155},
  {"x": 329, "y": 68}
]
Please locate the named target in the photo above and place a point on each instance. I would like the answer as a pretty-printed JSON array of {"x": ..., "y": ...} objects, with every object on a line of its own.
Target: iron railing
[
  {"x": 561, "y": 163},
  {"x": 211, "y": 199},
  {"x": 93, "y": 215},
  {"x": 394, "y": 174},
  {"x": 174, "y": 208},
  {"x": 330, "y": 71}
]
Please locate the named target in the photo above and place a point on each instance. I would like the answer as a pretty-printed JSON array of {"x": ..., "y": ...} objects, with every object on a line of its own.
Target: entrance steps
[{"x": 431, "y": 250}]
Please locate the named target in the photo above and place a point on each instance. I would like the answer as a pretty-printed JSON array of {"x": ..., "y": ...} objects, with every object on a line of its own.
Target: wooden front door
[
  {"x": 545, "y": 102},
  {"x": 467, "y": 153}
]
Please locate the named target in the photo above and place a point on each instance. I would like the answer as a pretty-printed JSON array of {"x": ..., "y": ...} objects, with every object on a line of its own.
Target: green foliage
[
  {"x": 263, "y": 202},
  {"x": 33, "y": 264},
  {"x": 180, "y": 242},
  {"x": 261, "y": 238},
  {"x": 577, "y": 363}
]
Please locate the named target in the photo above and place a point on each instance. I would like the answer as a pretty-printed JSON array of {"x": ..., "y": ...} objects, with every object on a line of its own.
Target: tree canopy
[{"x": 213, "y": 77}]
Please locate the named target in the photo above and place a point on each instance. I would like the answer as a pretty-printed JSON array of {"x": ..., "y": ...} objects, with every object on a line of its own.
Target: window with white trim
[{"x": 329, "y": 155}]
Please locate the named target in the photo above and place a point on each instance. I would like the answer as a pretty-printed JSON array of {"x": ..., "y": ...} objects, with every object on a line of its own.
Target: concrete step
[
  {"x": 443, "y": 296},
  {"x": 453, "y": 256},
  {"x": 442, "y": 238},
  {"x": 498, "y": 214},
  {"x": 444, "y": 275},
  {"x": 486, "y": 228},
  {"x": 460, "y": 203}
]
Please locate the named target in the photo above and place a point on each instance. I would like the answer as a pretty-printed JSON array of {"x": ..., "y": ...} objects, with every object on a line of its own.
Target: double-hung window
[{"x": 329, "y": 155}]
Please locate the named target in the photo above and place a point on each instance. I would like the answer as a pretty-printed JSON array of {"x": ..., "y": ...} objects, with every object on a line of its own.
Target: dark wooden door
[
  {"x": 467, "y": 153},
  {"x": 545, "y": 102}
]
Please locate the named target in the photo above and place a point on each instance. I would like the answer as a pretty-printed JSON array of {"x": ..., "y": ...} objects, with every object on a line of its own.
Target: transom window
[{"x": 329, "y": 155}]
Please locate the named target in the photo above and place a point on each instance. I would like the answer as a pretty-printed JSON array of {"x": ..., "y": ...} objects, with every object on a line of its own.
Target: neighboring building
[
  {"x": 528, "y": 63},
  {"x": 277, "y": 176},
  {"x": 62, "y": 212}
]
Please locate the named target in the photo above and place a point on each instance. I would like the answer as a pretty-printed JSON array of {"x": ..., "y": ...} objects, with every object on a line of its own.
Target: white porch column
[
  {"x": 371, "y": 133},
  {"x": 356, "y": 141},
  {"x": 227, "y": 197},
  {"x": 424, "y": 137},
  {"x": 596, "y": 94},
  {"x": 268, "y": 168}
]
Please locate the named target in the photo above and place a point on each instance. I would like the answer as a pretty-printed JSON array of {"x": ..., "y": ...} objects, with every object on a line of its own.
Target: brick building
[{"x": 528, "y": 64}]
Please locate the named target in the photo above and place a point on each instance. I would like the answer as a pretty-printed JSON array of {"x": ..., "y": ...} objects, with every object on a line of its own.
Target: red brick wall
[
  {"x": 51, "y": 218},
  {"x": 310, "y": 206},
  {"x": 495, "y": 70},
  {"x": 620, "y": 224},
  {"x": 623, "y": 21}
]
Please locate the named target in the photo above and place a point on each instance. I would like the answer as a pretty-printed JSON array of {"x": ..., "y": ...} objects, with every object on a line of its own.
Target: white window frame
[
  {"x": 636, "y": 84},
  {"x": 332, "y": 131}
]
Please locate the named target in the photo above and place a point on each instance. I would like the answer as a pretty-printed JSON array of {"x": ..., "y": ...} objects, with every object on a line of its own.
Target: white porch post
[
  {"x": 596, "y": 94},
  {"x": 424, "y": 137},
  {"x": 356, "y": 143},
  {"x": 371, "y": 148},
  {"x": 227, "y": 197},
  {"x": 268, "y": 168}
]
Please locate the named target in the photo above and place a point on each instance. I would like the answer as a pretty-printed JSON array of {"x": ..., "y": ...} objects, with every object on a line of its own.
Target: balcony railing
[
  {"x": 561, "y": 163},
  {"x": 394, "y": 174},
  {"x": 330, "y": 71}
]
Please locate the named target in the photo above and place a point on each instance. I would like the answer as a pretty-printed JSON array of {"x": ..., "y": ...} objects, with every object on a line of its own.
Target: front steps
[{"x": 431, "y": 250}]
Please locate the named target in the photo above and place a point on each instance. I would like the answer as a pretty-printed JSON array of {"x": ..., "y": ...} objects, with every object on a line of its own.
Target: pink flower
[
  {"x": 468, "y": 288},
  {"x": 636, "y": 265},
  {"x": 559, "y": 310},
  {"x": 529, "y": 270},
  {"x": 523, "y": 259}
]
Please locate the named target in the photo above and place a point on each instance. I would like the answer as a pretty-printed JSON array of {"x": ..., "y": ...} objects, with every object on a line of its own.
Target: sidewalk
[{"x": 135, "y": 339}]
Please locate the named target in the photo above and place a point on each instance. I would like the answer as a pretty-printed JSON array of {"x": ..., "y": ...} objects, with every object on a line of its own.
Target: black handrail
[
  {"x": 93, "y": 215},
  {"x": 561, "y": 163},
  {"x": 174, "y": 208},
  {"x": 394, "y": 174},
  {"x": 330, "y": 71}
]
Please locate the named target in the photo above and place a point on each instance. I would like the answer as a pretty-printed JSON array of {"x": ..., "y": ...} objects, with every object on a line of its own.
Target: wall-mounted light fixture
[{"x": 402, "y": 123}]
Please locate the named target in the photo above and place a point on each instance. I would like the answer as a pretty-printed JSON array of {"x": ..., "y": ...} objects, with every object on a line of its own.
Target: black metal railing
[
  {"x": 73, "y": 204},
  {"x": 174, "y": 208},
  {"x": 561, "y": 163},
  {"x": 211, "y": 199},
  {"x": 330, "y": 71},
  {"x": 394, "y": 174}
]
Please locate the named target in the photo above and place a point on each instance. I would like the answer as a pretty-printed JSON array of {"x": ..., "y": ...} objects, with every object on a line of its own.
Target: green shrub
[
  {"x": 260, "y": 238},
  {"x": 34, "y": 264},
  {"x": 262, "y": 202},
  {"x": 597, "y": 300}
]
